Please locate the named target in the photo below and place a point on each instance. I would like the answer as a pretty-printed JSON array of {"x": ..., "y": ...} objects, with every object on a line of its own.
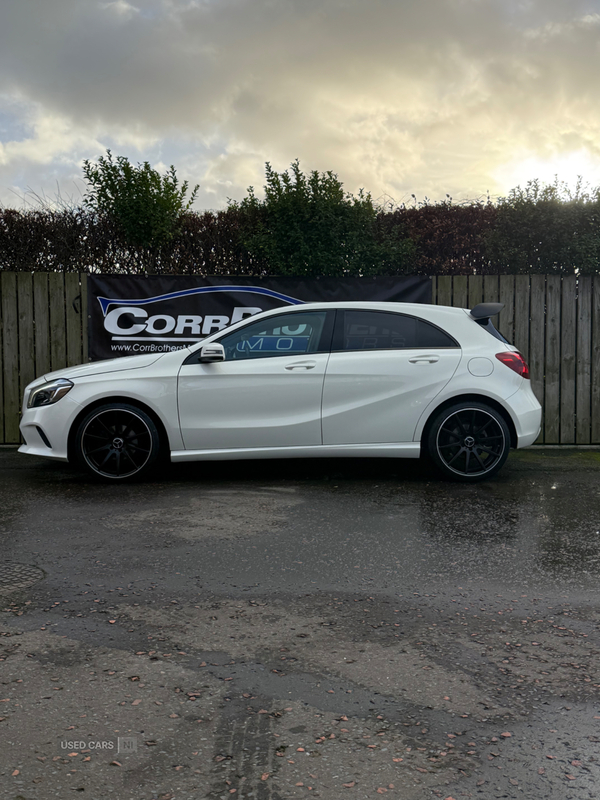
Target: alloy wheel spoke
[
  {"x": 462, "y": 450},
  {"x": 452, "y": 433},
  {"x": 126, "y": 453},
  {"x": 100, "y": 421},
  {"x": 98, "y": 449},
  {"x": 106, "y": 458},
  {"x": 488, "y": 450},
  {"x": 478, "y": 457},
  {"x": 133, "y": 435},
  {"x": 91, "y": 435},
  {"x": 463, "y": 425},
  {"x": 473, "y": 421},
  {"x": 139, "y": 449}
]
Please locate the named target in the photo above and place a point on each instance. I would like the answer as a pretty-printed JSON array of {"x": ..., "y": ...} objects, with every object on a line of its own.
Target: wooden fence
[
  {"x": 43, "y": 327},
  {"x": 555, "y": 323},
  {"x": 553, "y": 320}
]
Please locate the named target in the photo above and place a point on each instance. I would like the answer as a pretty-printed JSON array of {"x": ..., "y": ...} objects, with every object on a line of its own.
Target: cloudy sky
[{"x": 427, "y": 97}]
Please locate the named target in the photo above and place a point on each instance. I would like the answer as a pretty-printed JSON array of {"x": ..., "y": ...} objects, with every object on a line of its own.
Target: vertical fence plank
[
  {"x": 25, "y": 330},
  {"x": 2, "y": 437},
  {"x": 459, "y": 291},
  {"x": 84, "y": 317},
  {"x": 537, "y": 342},
  {"x": 433, "y": 280},
  {"x": 58, "y": 334},
  {"x": 490, "y": 289},
  {"x": 584, "y": 360},
  {"x": 475, "y": 290},
  {"x": 506, "y": 321},
  {"x": 41, "y": 315},
  {"x": 73, "y": 314},
  {"x": 10, "y": 353},
  {"x": 552, "y": 365},
  {"x": 568, "y": 338},
  {"x": 522, "y": 294},
  {"x": 596, "y": 359},
  {"x": 444, "y": 290}
]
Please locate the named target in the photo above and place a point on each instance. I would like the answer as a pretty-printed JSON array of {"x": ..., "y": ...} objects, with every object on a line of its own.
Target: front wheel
[
  {"x": 117, "y": 442},
  {"x": 468, "y": 441}
]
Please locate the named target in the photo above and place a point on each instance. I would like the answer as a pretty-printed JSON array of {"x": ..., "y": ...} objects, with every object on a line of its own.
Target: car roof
[{"x": 378, "y": 305}]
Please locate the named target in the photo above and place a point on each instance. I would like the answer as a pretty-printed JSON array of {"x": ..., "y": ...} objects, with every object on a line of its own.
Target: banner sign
[{"x": 131, "y": 314}]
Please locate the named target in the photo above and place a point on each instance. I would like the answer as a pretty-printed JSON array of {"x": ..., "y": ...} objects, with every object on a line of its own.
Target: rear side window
[{"x": 381, "y": 330}]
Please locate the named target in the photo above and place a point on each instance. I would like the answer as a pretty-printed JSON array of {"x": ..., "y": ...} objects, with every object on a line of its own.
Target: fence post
[{"x": 10, "y": 356}]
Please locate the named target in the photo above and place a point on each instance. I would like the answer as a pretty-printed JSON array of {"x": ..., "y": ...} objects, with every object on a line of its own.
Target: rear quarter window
[{"x": 382, "y": 330}]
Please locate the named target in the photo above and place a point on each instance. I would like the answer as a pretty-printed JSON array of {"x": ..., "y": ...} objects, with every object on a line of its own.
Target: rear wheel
[
  {"x": 117, "y": 442},
  {"x": 469, "y": 441}
]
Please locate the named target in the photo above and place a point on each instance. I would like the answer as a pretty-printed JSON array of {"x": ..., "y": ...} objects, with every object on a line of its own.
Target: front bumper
[{"x": 46, "y": 429}]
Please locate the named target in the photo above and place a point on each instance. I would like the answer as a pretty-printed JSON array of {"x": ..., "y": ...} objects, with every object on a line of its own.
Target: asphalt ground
[{"x": 281, "y": 630}]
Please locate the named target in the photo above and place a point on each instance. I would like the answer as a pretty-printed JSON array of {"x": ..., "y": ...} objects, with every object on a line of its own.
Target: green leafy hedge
[{"x": 307, "y": 225}]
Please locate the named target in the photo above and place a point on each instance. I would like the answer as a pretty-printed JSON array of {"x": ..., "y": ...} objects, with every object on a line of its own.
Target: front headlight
[{"x": 49, "y": 393}]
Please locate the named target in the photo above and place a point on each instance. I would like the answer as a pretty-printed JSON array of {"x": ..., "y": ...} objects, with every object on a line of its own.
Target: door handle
[
  {"x": 301, "y": 365},
  {"x": 422, "y": 359}
]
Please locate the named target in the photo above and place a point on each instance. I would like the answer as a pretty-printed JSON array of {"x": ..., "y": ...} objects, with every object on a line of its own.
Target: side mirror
[{"x": 211, "y": 352}]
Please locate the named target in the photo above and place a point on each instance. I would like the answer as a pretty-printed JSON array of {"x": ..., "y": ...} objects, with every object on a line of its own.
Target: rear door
[{"x": 384, "y": 369}]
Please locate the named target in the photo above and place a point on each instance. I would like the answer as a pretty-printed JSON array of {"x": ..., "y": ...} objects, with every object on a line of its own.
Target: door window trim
[{"x": 324, "y": 345}]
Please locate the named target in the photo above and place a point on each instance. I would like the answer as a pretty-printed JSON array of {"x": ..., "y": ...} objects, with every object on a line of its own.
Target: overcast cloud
[{"x": 398, "y": 96}]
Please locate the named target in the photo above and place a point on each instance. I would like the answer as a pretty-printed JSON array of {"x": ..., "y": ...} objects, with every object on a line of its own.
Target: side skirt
[{"x": 408, "y": 450}]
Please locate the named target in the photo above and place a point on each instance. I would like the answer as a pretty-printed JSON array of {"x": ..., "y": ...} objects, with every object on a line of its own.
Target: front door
[{"x": 267, "y": 392}]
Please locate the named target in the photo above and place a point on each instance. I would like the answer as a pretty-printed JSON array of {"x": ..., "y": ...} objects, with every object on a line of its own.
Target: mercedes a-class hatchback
[{"x": 320, "y": 379}]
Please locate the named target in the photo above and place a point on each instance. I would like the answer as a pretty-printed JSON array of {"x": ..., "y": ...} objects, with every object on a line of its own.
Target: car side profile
[{"x": 315, "y": 380}]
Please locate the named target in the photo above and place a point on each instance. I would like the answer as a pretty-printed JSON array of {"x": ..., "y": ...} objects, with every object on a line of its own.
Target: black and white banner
[{"x": 129, "y": 315}]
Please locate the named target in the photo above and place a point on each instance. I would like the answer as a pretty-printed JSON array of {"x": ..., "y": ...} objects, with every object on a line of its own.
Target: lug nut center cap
[
  {"x": 469, "y": 441},
  {"x": 118, "y": 443}
]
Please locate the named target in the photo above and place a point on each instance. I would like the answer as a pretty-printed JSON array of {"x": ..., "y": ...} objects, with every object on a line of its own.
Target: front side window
[
  {"x": 380, "y": 330},
  {"x": 290, "y": 334}
]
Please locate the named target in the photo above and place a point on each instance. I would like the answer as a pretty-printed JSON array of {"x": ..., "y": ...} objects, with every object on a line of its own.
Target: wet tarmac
[{"x": 335, "y": 628}]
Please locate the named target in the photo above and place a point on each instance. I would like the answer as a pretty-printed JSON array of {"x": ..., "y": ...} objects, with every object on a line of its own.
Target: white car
[{"x": 319, "y": 379}]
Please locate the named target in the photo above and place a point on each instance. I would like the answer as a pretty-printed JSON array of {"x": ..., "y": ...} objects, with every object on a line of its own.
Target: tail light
[{"x": 516, "y": 362}]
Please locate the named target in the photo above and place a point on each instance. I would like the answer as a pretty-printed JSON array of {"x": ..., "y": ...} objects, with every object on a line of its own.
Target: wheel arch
[
  {"x": 165, "y": 447},
  {"x": 471, "y": 398}
]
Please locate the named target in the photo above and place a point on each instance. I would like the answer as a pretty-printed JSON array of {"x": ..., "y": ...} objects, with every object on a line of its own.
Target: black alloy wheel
[
  {"x": 469, "y": 442},
  {"x": 117, "y": 442}
]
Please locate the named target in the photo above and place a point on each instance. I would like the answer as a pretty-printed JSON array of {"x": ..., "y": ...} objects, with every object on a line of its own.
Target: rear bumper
[{"x": 526, "y": 413}]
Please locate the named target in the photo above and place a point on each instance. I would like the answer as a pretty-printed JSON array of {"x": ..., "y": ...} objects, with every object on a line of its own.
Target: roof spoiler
[{"x": 484, "y": 311}]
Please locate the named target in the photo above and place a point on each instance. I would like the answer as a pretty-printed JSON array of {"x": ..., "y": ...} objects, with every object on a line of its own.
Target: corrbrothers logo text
[{"x": 177, "y": 319}]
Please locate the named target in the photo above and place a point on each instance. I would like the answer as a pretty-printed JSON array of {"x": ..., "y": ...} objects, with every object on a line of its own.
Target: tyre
[
  {"x": 117, "y": 442},
  {"x": 468, "y": 441}
]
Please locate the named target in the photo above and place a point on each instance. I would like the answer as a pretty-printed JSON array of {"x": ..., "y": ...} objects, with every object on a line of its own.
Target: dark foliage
[
  {"x": 78, "y": 240},
  {"x": 308, "y": 225},
  {"x": 449, "y": 239},
  {"x": 546, "y": 229},
  {"x": 145, "y": 206},
  {"x": 316, "y": 229}
]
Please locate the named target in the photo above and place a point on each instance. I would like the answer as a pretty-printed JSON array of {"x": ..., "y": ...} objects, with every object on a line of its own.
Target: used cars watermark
[{"x": 122, "y": 744}]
